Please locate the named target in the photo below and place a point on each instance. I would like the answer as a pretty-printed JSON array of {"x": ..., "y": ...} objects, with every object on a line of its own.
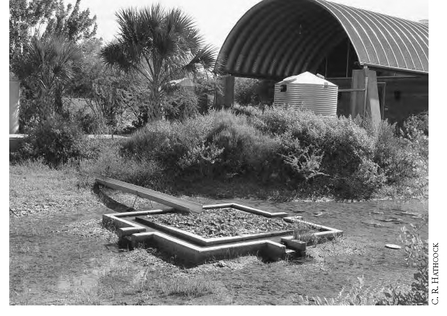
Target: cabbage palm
[
  {"x": 159, "y": 45},
  {"x": 45, "y": 69}
]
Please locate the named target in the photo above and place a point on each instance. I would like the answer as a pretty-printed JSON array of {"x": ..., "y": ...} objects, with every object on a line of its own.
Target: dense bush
[
  {"x": 168, "y": 143},
  {"x": 249, "y": 91},
  {"x": 54, "y": 140},
  {"x": 415, "y": 126},
  {"x": 398, "y": 157},
  {"x": 308, "y": 153},
  {"x": 180, "y": 104},
  {"x": 334, "y": 153},
  {"x": 246, "y": 91},
  {"x": 246, "y": 150}
]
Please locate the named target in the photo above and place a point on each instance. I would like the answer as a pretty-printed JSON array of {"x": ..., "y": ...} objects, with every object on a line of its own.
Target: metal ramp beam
[{"x": 162, "y": 198}]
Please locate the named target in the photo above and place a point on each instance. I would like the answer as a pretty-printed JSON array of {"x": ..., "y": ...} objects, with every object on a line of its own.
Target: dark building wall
[{"x": 404, "y": 96}]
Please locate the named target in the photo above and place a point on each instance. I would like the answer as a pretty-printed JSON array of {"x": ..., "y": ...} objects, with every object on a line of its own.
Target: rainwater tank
[{"x": 308, "y": 91}]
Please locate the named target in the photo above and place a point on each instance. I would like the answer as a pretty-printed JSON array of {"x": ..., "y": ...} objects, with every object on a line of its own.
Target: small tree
[
  {"x": 159, "y": 45},
  {"x": 45, "y": 71}
]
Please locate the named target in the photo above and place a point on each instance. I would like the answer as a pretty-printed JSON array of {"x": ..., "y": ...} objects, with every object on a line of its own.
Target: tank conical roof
[{"x": 306, "y": 78}]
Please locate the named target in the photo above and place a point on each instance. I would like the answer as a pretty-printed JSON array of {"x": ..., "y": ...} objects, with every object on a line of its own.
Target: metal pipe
[{"x": 351, "y": 90}]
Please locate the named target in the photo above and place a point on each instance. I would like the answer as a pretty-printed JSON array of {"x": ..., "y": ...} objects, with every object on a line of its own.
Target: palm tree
[
  {"x": 45, "y": 69},
  {"x": 159, "y": 45}
]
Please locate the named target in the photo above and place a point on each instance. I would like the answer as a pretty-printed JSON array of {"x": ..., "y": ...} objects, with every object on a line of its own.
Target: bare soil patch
[{"x": 60, "y": 254}]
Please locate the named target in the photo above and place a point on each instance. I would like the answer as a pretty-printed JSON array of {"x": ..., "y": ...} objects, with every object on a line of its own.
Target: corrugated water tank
[{"x": 309, "y": 91}]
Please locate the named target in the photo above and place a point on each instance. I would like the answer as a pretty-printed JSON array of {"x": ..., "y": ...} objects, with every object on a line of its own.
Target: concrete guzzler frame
[{"x": 138, "y": 228}]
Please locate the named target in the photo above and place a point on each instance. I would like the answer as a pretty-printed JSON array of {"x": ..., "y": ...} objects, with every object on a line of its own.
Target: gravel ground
[{"x": 225, "y": 222}]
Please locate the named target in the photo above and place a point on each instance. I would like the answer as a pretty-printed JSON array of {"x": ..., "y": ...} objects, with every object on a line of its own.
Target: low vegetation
[{"x": 309, "y": 155}]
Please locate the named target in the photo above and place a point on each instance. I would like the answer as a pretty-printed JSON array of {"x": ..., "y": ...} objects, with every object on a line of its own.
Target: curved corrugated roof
[{"x": 280, "y": 38}]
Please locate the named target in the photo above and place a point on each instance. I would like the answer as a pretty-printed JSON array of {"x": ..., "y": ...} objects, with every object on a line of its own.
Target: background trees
[
  {"x": 159, "y": 45},
  {"x": 44, "y": 19},
  {"x": 61, "y": 64},
  {"x": 44, "y": 46}
]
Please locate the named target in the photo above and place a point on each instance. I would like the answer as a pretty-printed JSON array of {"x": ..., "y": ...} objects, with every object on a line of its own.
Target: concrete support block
[{"x": 294, "y": 244}]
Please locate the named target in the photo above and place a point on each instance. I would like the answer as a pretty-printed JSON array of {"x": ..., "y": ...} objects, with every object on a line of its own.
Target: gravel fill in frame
[{"x": 227, "y": 222}]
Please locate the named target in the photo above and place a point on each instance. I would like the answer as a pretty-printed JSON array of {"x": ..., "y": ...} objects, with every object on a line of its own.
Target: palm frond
[
  {"x": 115, "y": 55},
  {"x": 205, "y": 57}
]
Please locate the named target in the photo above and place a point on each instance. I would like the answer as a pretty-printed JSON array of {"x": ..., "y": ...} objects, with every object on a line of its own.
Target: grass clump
[{"x": 190, "y": 287}]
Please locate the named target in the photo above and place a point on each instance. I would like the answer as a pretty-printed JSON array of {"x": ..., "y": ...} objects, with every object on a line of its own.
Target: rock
[
  {"x": 220, "y": 264},
  {"x": 392, "y": 246}
]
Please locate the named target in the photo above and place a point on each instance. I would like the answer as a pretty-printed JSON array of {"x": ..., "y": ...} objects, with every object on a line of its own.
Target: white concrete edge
[
  {"x": 209, "y": 241},
  {"x": 200, "y": 250},
  {"x": 139, "y": 213},
  {"x": 123, "y": 221},
  {"x": 222, "y": 205}
]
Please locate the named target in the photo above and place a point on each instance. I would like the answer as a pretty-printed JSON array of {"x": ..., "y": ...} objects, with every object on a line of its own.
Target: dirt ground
[{"x": 61, "y": 254}]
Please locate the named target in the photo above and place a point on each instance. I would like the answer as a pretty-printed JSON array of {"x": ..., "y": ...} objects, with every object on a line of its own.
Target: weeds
[
  {"x": 183, "y": 286},
  {"x": 359, "y": 294},
  {"x": 416, "y": 254}
]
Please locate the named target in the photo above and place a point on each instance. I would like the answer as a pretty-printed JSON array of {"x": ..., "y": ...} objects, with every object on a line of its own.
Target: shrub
[
  {"x": 248, "y": 111},
  {"x": 88, "y": 123},
  {"x": 246, "y": 91},
  {"x": 275, "y": 121},
  {"x": 219, "y": 144},
  {"x": 395, "y": 155},
  {"x": 180, "y": 104},
  {"x": 237, "y": 138},
  {"x": 415, "y": 126},
  {"x": 333, "y": 154},
  {"x": 53, "y": 140},
  {"x": 415, "y": 129},
  {"x": 312, "y": 154},
  {"x": 168, "y": 143},
  {"x": 109, "y": 163}
]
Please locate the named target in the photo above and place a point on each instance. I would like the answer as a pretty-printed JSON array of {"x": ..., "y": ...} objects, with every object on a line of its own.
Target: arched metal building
[{"x": 281, "y": 38}]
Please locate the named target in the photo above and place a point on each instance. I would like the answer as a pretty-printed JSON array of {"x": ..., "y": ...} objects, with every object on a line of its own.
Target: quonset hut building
[{"x": 354, "y": 48}]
